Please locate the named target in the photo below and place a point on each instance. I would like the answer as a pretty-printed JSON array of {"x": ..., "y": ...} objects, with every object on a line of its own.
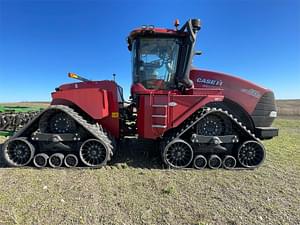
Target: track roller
[
  {"x": 56, "y": 160},
  {"x": 94, "y": 153},
  {"x": 178, "y": 154},
  {"x": 214, "y": 162},
  {"x": 200, "y": 162},
  {"x": 229, "y": 162},
  {"x": 71, "y": 160},
  {"x": 18, "y": 152},
  {"x": 251, "y": 154},
  {"x": 40, "y": 160}
]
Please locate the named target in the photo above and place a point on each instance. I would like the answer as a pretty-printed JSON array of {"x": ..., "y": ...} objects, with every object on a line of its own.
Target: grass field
[
  {"x": 288, "y": 107},
  {"x": 26, "y": 104},
  {"x": 125, "y": 194}
]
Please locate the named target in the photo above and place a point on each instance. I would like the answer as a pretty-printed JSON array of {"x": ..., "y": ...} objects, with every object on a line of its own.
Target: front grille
[{"x": 261, "y": 114}]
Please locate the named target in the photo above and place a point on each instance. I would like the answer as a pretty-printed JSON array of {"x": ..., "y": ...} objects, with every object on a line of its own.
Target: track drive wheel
[
  {"x": 251, "y": 154},
  {"x": 94, "y": 153},
  {"x": 214, "y": 124},
  {"x": 57, "y": 122},
  {"x": 18, "y": 152},
  {"x": 178, "y": 154}
]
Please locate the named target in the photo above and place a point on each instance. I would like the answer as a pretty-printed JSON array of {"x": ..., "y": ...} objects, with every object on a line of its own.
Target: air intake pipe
[{"x": 192, "y": 26}]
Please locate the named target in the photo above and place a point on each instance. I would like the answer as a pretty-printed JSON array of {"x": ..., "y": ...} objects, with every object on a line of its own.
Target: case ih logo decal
[
  {"x": 211, "y": 82},
  {"x": 251, "y": 92}
]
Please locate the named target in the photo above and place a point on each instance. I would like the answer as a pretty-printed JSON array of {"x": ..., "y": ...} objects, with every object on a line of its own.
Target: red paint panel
[
  {"x": 142, "y": 117},
  {"x": 176, "y": 109},
  {"x": 186, "y": 105},
  {"x": 98, "y": 99},
  {"x": 93, "y": 101}
]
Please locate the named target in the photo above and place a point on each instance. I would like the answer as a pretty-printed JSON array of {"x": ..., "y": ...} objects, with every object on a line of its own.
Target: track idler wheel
[
  {"x": 251, "y": 154},
  {"x": 178, "y": 154},
  {"x": 229, "y": 162},
  {"x": 94, "y": 153},
  {"x": 200, "y": 162},
  {"x": 40, "y": 160},
  {"x": 56, "y": 160},
  {"x": 214, "y": 162},
  {"x": 18, "y": 152},
  {"x": 71, "y": 160}
]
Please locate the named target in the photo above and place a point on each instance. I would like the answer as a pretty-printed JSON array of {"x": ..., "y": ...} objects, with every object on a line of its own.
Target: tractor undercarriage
[{"x": 59, "y": 136}]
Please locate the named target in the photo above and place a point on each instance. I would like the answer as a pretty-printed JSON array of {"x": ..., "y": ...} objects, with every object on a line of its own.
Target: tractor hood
[{"x": 241, "y": 91}]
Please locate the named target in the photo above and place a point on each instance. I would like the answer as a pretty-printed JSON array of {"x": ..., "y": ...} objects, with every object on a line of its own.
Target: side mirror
[
  {"x": 129, "y": 44},
  {"x": 196, "y": 23}
]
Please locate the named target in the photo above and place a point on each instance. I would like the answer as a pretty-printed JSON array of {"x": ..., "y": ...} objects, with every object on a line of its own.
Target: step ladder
[{"x": 159, "y": 116}]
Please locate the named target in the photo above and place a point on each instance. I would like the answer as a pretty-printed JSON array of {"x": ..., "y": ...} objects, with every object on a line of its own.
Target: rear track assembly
[{"x": 59, "y": 136}]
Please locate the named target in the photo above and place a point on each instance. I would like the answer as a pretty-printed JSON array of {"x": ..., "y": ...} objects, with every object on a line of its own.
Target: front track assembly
[
  {"x": 58, "y": 137},
  {"x": 212, "y": 138}
]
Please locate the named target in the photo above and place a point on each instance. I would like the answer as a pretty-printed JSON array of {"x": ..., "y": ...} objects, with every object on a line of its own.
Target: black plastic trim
[
  {"x": 261, "y": 114},
  {"x": 266, "y": 132}
]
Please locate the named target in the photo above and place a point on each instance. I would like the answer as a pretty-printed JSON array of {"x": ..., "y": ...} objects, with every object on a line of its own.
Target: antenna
[{"x": 114, "y": 77}]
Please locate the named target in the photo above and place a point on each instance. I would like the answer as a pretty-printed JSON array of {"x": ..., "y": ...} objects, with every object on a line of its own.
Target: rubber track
[
  {"x": 95, "y": 130},
  {"x": 202, "y": 113}
]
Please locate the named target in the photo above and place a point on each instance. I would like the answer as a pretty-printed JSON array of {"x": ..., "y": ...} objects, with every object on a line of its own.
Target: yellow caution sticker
[{"x": 115, "y": 115}]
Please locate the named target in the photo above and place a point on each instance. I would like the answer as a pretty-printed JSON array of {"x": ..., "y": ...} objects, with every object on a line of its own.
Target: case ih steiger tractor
[{"x": 197, "y": 118}]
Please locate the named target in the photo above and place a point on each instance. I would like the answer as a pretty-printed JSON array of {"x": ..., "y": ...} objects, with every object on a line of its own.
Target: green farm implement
[{"x": 12, "y": 118}]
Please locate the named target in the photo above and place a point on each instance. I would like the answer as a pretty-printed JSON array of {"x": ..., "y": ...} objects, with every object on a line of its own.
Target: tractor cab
[
  {"x": 161, "y": 58},
  {"x": 154, "y": 62}
]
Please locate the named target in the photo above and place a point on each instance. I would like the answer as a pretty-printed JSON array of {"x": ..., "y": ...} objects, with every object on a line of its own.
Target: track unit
[{"x": 58, "y": 137}]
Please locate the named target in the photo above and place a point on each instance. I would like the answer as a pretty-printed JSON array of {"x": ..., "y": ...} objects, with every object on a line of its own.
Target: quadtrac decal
[
  {"x": 211, "y": 82},
  {"x": 251, "y": 92}
]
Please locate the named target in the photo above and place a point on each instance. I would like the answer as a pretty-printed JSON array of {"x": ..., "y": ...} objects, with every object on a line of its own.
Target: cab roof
[{"x": 151, "y": 30}]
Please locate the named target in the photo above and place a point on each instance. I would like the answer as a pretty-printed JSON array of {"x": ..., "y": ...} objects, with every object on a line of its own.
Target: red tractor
[{"x": 198, "y": 118}]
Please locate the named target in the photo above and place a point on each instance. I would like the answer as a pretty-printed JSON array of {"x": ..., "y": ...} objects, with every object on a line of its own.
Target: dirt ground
[{"x": 132, "y": 193}]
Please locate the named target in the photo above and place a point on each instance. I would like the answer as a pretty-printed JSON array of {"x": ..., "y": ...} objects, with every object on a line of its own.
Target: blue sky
[{"x": 41, "y": 41}]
